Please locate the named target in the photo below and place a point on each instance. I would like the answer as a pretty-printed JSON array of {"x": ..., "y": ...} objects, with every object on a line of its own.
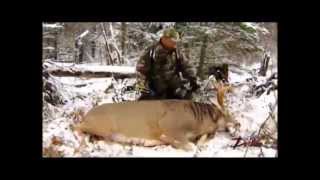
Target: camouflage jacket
[{"x": 159, "y": 67}]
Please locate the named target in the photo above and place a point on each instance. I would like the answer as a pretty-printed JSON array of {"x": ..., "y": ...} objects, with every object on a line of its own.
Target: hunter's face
[{"x": 169, "y": 43}]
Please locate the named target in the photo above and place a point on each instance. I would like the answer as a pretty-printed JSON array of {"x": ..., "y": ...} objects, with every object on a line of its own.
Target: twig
[
  {"x": 245, "y": 153},
  {"x": 270, "y": 114},
  {"x": 237, "y": 143},
  {"x": 261, "y": 154},
  {"x": 247, "y": 145},
  {"x": 254, "y": 140}
]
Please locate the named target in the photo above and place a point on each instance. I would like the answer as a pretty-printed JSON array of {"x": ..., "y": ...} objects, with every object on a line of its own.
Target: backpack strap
[
  {"x": 151, "y": 70},
  {"x": 179, "y": 60}
]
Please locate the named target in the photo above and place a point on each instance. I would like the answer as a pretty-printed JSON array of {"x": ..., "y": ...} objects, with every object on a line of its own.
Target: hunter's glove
[
  {"x": 181, "y": 92},
  {"x": 194, "y": 85},
  {"x": 141, "y": 86}
]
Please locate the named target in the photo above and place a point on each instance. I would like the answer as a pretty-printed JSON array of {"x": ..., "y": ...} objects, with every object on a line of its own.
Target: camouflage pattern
[
  {"x": 172, "y": 33},
  {"x": 161, "y": 81}
]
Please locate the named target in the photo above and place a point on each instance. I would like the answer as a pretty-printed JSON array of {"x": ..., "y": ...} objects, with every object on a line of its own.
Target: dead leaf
[
  {"x": 51, "y": 152},
  {"x": 56, "y": 140}
]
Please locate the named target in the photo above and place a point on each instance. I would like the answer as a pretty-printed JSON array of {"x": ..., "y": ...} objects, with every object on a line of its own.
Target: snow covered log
[
  {"x": 60, "y": 72},
  {"x": 85, "y": 70}
]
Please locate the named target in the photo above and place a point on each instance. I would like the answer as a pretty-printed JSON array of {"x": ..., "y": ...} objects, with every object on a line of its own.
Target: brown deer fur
[{"x": 156, "y": 122}]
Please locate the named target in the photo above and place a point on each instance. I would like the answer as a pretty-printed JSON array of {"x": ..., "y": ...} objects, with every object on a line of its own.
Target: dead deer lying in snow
[{"x": 157, "y": 122}]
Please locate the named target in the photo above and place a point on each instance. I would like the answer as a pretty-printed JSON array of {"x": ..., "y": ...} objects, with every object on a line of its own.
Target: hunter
[{"x": 163, "y": 72}]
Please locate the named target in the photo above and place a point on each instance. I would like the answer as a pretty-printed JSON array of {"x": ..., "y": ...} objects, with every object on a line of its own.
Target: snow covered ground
[{"x": 82, "y": 94}]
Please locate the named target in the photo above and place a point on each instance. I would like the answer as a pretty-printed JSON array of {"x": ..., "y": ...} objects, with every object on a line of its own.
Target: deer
[{"x": 149, "y": 123}]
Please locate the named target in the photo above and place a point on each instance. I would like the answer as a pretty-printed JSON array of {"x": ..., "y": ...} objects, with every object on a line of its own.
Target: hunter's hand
[{"x": 194, "y": 85}]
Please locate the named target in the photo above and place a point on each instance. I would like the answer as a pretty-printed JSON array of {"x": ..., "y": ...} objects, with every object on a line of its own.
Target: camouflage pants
[
  {"x": 172, "y": 89},
  {"x": 167, "y": 95}
]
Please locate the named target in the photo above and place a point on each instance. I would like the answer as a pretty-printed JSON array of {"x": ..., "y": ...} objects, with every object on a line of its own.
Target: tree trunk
[
  {"x": 81, "y": 52},
  {"x": 264, "y": 65},
  {"x": 93, "y": 49},
  {"x": 100, "y": 55},
  {"x": 187, "y": 50},
  {"x": 55, "y": 45},
  {"x": 114, "y": 43},
  {"x": 202, "y": 56},
  {"x": 124, "y": 38},
  {"x": 90, "y": 58},
  {"x": 107, "y": 45}
]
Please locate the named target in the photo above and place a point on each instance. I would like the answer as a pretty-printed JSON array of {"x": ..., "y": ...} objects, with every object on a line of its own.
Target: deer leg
[
  {"x": 202, "y": 140},
  {"x": 177, "y": 142},
  {"x": 233, "y": 128},
  {"x": 151, "y": 143},
  {"x": 116, "y": 137},
  {"x": 135, "y": 141},
  {"x": 81, "y": 139}
]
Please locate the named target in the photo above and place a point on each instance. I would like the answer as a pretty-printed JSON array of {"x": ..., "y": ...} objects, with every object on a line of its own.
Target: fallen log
[
  {"x": 83, "y": 70},
  {"x": 65, "y": 72}
]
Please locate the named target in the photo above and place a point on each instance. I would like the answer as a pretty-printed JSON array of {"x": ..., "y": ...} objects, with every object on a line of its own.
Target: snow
[
  {"x": 119, "y": 69},
  {"x": 253, "y": 113},
  {"x": 49, "y": 48},
  {"x": 256, "y": 27},
  {"x": 83, "y": 34},
  {"x": 249, "y": 24},
  {"x": 52, "y": 26},
  {"x": 96, "y": 67},
  {"x": 250, "y": 111},
  {"x": 234, "y": 77},
  {"x": 254, "y": 66},
  {"x": 81, "y": 94}
]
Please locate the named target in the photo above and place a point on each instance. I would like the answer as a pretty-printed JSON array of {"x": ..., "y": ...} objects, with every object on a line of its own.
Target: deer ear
[{"x": 220, "y": 95}]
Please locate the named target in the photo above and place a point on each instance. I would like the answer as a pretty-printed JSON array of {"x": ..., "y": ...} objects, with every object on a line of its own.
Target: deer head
[{"x": 227, "y": 121}]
